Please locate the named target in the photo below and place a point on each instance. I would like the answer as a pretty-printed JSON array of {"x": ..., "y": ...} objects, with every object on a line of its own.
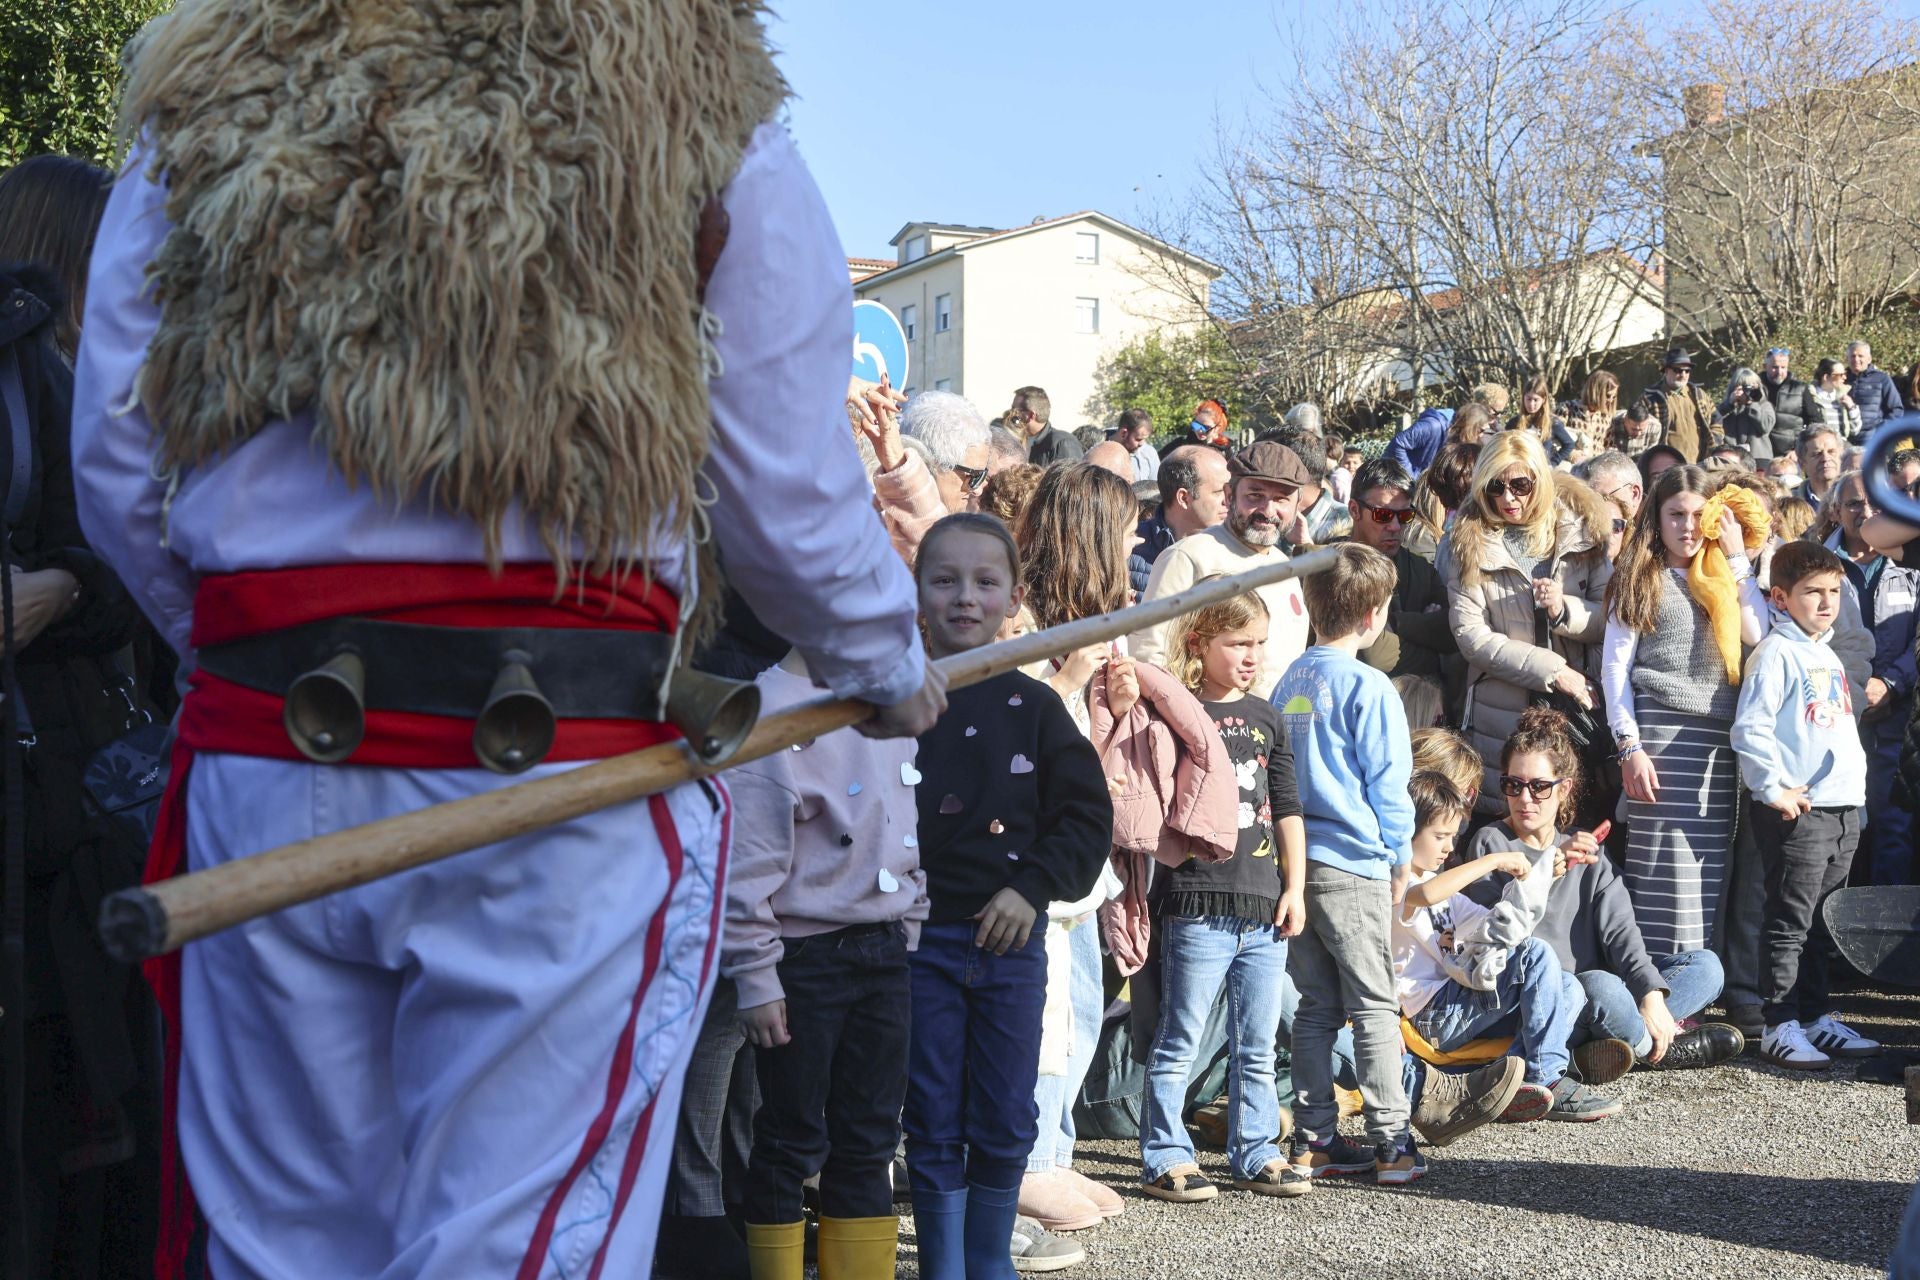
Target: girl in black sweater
[
  {"x": 1013, "y": 813},
  {"x": 1226, "y": 924}
]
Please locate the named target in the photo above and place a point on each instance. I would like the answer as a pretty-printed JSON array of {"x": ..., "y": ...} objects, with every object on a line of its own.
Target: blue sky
[
  {"x": 996, "y": 112},
  {"x": 1034, "y": 109}
]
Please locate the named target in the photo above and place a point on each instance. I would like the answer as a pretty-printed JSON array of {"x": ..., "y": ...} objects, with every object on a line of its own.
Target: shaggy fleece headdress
[{"x": 462, "y": 232}]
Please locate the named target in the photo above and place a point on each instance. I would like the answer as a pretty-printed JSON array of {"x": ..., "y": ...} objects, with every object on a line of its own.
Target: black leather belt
[{"x": 586, "y": 673}]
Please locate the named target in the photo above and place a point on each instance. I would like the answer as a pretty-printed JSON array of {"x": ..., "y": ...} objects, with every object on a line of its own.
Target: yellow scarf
[{"x": 1710, "y": 577}]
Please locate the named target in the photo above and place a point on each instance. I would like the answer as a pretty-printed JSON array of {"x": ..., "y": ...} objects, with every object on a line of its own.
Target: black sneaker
[
  {"x": 1707, "y": 1045},
  {"x": 1395, "y": 1166},
  {"x": 1574, "y": 1103},
  {"x": 1336, "y": 1157}
]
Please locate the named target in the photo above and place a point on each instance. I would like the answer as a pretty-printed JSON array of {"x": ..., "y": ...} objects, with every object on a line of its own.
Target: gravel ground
[{"x": 1745, "y": 1171}]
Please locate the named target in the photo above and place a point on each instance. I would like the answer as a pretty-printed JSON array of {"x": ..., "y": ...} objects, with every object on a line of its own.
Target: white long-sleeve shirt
[
  {"x": 1622, "y": 642},
  {"x": 794, "y": 515}
]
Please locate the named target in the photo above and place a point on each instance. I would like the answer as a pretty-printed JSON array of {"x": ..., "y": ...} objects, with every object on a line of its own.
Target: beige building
[{"x": 989, "y": 311}]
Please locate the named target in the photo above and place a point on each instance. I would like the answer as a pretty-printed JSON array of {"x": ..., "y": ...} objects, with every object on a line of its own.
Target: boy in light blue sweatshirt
[
  {"x": 1800, "y": 754},
  {"x": 1353, "y": 758}
]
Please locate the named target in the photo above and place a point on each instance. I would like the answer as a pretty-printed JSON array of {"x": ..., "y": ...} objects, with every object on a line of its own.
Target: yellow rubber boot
[
  {"x": 777, "y": 1252},
  {"x": 857, "y": 1248}
]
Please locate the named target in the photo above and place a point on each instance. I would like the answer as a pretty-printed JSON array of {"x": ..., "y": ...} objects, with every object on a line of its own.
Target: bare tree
[
  {"x": 1786, "y": 135},
  {"x": 1449, "y": 193}
]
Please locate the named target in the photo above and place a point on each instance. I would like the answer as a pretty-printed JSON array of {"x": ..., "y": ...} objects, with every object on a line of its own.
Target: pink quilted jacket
[{"x": 1178, "y": 797}]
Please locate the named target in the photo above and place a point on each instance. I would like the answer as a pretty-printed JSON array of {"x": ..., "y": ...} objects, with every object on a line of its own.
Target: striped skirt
[{"x": 1678, "y": 846}]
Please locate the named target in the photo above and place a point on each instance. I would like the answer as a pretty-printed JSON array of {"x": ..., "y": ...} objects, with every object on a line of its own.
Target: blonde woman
[{"x": 1526, "y": 569}]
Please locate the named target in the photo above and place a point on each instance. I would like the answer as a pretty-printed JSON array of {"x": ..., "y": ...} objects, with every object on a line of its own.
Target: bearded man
[
  {"x": 1262, "y": 498},
  {"x": 438, "y": 341}
]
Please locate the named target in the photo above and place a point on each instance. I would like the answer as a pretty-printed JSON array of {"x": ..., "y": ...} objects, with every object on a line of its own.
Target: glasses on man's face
[
  {"x": 1779, "y": 351},
  {"x": 975, "y": 478},
  {"x": 1538, "y": 788},
  {"x": 1020, "y": 415},
  {"x": 1619, "y": 488},
  {"x": 1389, "y": 515},
  {"x": 1519, "y": 487}
]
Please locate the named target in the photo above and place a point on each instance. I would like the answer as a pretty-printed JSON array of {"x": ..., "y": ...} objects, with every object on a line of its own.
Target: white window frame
[
  {"x": 942, "y": 315},
  {"x": 910, "y": 320},
  {"x": 914, "y": 249},
  {"x": 1081, "y": 241},
  {"x": 1090, "y": 309}
]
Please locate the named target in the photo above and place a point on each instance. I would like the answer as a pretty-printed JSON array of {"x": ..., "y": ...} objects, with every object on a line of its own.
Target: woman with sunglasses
[
  {"x": 1418, "y": 636},
  {"x": 1637, "y": 1007},
  {"x": 1526, "y": 569},
  {"x": 1670, "y": 702}
]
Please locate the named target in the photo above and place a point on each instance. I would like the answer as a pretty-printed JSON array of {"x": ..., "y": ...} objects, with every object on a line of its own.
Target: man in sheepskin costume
[{"x": 411, "y": 322}]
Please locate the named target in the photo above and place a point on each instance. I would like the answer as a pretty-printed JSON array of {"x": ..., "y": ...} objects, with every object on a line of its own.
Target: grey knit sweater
[{"x": 1677, "y": 664}]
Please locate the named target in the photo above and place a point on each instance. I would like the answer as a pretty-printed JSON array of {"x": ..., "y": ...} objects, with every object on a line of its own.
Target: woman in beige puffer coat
[{"x": 1528, "y": 539}]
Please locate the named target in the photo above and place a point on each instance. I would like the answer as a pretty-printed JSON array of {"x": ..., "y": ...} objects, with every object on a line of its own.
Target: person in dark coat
[
  {"x": 1873, "y": 391},
  {"x": 75, "y": 1029},
  {"x": 1794, "y": 406}
]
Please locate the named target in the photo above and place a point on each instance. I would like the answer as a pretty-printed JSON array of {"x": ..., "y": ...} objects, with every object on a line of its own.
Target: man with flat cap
[
  {"x": 1688, "y": 416},
  {"x": 1262, "y": 494}
]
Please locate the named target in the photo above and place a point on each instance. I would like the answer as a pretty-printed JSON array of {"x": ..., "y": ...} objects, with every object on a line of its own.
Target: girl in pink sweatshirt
[{"x": 826, "y": 899}]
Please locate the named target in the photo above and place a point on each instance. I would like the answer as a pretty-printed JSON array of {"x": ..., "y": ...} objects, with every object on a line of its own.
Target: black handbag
[{"x": 1586, "y": 726}]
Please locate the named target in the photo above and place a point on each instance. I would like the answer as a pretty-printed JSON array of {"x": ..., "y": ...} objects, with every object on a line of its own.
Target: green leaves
[{"x": 60, "y": 74}]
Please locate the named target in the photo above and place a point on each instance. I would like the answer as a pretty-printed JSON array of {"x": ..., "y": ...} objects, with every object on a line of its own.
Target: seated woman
[{"x": 1634, "y": 1002}]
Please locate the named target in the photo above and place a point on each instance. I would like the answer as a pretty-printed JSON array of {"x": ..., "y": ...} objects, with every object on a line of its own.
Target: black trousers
[
  {"x": 716, "y": 1116},
  {"x": 830, "y": 1097},
  {"x": 1805, "y": 860}
]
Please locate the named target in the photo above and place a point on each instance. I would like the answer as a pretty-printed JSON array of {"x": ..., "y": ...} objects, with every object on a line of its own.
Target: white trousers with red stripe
[{"x": 466, "y": 1072}]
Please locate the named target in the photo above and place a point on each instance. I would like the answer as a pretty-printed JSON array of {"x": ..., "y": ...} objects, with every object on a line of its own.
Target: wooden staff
[{"x": 149, "y": 921}]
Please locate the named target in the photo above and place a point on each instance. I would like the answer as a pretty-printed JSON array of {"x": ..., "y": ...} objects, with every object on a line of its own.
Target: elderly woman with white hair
[
  {"x": 925, "y": 463},
  {"x": 1747, "y": 416}
]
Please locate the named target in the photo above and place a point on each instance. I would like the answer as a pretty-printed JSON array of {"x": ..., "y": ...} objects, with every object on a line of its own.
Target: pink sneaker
[
  {"x": 1104, "y": 1198},
  {"x": 1053, "y": 1200}
]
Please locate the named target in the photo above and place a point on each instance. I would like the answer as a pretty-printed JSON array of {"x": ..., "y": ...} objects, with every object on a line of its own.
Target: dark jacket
[
  {"x": 1155, "y": 537},
  {"x": 1022, "y": 803},
  {"x": 1417, "y": 446},
  {"x": 1794, "y": 410},
  {"x": 1054, "y": 445},
  {"x": 1417, "y": 636},
  {"x": 90, "y": 1046},
  {"x": 1877, "y": 398}
]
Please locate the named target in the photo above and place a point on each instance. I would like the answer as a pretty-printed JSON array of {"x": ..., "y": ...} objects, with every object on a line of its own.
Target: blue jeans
[
  {"x": 1053, "y": 1096},
  {"x": 1693, "y": 979},
  {"x": 1198, "y": 955},
  {"x": 972, "y": 1060},
  {"x": 1535, "y": 1000}
]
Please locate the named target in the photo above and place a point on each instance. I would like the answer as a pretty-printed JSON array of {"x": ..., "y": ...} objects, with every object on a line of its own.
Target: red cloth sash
[{"x": 220, "y": 716}]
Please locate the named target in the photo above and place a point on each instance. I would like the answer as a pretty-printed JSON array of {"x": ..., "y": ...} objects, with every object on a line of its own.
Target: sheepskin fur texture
[{"x": 463, "y": 233}]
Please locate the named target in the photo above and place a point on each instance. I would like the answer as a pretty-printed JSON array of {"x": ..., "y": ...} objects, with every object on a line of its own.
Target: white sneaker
[
  {"x": 1835, "y": 1036},
  {"x": 1786, "y": 1046},
  {"x": 1036, "y": 1249}
]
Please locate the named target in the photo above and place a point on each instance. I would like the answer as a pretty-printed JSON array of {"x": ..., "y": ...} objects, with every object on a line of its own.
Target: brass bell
[
  {"x": 715, "y": 714},
  {"x": 515, "y": 729},
  {"x": 326, "y": 709}
]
